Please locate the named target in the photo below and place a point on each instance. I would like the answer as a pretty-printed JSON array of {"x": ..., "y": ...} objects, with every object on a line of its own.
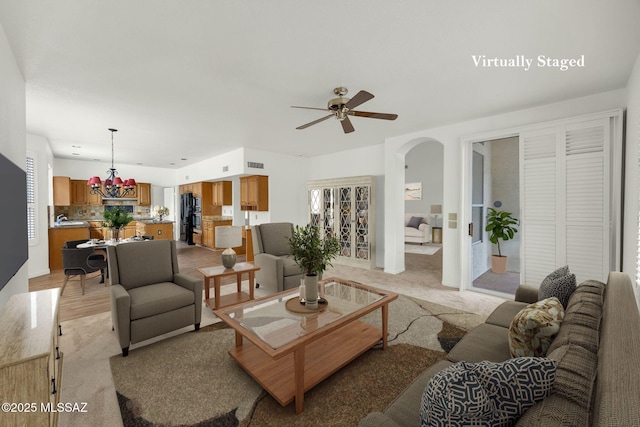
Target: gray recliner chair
[
  {"x": 149, "y": 296},
  {"x": 278, "y": 271}
]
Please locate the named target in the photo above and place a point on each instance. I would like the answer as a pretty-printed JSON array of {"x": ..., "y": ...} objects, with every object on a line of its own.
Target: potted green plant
[
  {"x": 312, "y": 254},
  {"x": 501, "y": 225},
  {"x": 116, "y": 219}
]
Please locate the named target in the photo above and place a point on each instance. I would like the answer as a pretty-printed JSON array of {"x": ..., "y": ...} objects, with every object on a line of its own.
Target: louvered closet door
[
  {"x": 587, "y": 199},
  {"x": 565, "y": 190},
  {"x": 538, "y": 225}
]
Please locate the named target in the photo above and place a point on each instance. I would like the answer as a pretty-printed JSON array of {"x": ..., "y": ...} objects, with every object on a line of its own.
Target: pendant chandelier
[{"x": 114, "y": 187}]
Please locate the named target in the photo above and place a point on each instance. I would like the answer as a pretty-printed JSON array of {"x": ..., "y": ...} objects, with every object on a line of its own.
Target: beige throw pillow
[{"x": 534, "y": 327}]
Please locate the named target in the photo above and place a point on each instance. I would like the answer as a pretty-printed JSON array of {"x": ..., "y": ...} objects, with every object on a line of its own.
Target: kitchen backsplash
[{"x": 94, "y": 213}]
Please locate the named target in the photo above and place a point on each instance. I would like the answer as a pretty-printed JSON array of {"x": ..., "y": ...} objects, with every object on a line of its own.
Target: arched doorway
[{"x": 423, "y": 221}]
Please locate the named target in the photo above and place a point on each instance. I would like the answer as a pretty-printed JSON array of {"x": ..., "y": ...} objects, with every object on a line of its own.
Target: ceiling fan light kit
[{"x": 341, "y": 108}]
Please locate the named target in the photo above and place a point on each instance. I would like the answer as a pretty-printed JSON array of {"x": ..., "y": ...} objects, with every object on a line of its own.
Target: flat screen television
[{"x": 14, "y": 249}]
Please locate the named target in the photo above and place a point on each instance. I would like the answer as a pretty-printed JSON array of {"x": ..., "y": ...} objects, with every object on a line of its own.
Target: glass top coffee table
[{"x": 288, "y": 352}]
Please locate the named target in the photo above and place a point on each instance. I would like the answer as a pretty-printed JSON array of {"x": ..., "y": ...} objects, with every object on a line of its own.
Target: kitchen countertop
[
  {"x": 74, "y": 224},
  {"x": 150, "y": 221}
]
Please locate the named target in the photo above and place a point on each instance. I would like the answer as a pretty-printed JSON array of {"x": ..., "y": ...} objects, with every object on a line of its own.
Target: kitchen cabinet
[
  {"x": 254, "y": 193},
  {"x": 57, "y": 239},
  {"x": 208, "y": 240},
  {"x": 345, "y": 208},
  {"x": 61, "y": 191},
  {"x": 31, "y": 362},
  {"x": 96, "y": 230},
  {"x": 222, "y": 195},
  {"x": 129, "y": 230},
  {"x": 78, "y": 192},
  {"x": 143, "y": 192},
  {"x": 93, "y": 199},
  {"x": 196, "y": 189},
  {"x": 159, "y": 230}
]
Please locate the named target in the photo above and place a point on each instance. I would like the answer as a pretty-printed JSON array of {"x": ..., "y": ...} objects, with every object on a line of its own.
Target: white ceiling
[{"x": 195, "y": 78}]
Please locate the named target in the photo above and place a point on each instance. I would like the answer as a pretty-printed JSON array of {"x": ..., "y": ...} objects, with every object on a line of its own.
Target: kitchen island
[
  {"x": 160, "y": 230},
  {"x": 59, "y": 234}
]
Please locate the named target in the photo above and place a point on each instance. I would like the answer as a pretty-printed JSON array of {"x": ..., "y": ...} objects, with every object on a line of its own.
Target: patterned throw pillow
[
  {"x": 532, "y": 330},
  {"x": 415, "y": 221},
  {"x": 486, "y": 393},
  {"x": 560, "y": 284}
]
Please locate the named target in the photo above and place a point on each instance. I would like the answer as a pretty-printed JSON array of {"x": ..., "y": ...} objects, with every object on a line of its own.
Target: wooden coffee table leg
[
  {"x": 385, "y": 328},
  {"x": 207, "y": 284},
  {"x": 238, "y": 339},
  {"x": 239, "y": 280},
  {"x": 298, "y": 357},
  {"x": 216, "y": 291},
  {"x": 252, "y": 279}
]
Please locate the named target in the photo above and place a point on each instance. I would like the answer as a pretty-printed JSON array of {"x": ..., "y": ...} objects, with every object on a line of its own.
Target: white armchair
[{"x": 417, "y": 228}]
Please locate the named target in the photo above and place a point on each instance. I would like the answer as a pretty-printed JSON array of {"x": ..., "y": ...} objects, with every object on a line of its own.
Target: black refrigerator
[{"x": 187, "y": 211}]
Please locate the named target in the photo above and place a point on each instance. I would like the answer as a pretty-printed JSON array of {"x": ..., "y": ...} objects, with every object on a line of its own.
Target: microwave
[{"x": 197, "y": 204}]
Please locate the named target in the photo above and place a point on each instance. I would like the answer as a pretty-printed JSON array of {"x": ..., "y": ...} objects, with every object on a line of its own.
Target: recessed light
[
  {"x": 75, "y": 154},
  {"x": 172, "y": 164},
  {"x": 183, "y": 158},
  {"x": 76, "y": 146},
  {"x": 138, "y": 163},
  {"x": 97, "y": 160}
]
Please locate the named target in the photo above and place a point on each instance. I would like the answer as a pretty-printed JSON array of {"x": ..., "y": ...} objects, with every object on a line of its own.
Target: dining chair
[{"x": 80, "y": 262}]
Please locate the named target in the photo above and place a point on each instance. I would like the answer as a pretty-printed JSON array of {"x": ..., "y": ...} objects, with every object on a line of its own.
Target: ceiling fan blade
[
  {"x": 360, "y": 98},
  {"x": 315, "y": 122},
  {"x": 347, "y": 127},
  {"x": 383, "y": 116},
  {"x": 311, "y": 108}
]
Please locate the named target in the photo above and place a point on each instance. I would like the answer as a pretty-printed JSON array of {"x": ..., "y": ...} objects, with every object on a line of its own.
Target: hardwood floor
[{"x": 96, "y": 298}]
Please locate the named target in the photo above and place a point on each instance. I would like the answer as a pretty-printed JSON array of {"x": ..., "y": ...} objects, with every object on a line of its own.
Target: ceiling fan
[{"x": 341, "y": 108}]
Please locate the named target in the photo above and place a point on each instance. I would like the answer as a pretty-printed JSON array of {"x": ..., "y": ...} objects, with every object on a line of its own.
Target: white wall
[
  {"x": 455, "y": 262},
  {"x": 632, "y": 175},
  {"x": 39, "y": 252},
  {"x": 80, "y": 169},
  {"x": 12, "y": 139},
  {"x": 424, "y": 164}
]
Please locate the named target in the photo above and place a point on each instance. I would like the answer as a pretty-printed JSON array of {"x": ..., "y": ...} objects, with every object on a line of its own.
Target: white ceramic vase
[{"x": 311, "y": 291}]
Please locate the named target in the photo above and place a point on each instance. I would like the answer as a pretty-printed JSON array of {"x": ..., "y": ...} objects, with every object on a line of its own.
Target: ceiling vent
[
  {"x": 225, "y": 169},
  {"x": 255, "y": 165}
]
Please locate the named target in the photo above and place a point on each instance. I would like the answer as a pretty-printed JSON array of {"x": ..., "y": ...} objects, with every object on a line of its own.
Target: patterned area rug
[
  {"x": 428, "y": 249},
  {"x": 190, "y": 380}
]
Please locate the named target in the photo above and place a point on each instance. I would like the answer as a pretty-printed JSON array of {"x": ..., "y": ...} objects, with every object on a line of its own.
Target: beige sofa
[
  {"x": 422, "y": 234},
  {"x": 149, "y": 296},
  {"x": 598, "y": 373}
]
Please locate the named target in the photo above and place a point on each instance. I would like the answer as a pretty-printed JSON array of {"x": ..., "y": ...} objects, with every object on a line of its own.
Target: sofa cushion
[
  {"x": 484, "y": 342},
  {"x": 503, "y": 315},
  {"x": 290, "y": 268},
  {"x": 555, "y": 410},
  {"x": 575, "y": 374},
  {"x": 575, "y": 333},
  {"x": 158, "y": 298},
  {"x": 486, "y": 393},
  {"x": 534, "y": 327},
  {"x": 415, "y": 221},
  {"x": 559, "y": 286}
]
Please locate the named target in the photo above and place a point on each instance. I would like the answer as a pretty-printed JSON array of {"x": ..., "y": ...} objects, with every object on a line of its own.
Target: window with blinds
[{"x": 31, "y": 198}]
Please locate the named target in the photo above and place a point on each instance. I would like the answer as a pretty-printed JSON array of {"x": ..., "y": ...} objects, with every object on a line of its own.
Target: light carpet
[
  {"x": 428, "y": 249},
  {"x": 190, "y": 380}
]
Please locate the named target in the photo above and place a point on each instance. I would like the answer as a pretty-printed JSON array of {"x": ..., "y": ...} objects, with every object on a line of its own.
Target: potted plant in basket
[
  {"x": 313, "y": 255},
  {"x": 115, "y": 219},
  {"x": 502, "y": 226}
]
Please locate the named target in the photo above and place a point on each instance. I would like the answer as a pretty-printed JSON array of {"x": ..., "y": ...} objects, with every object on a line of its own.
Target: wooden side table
[{"x": 217, "y": 273}]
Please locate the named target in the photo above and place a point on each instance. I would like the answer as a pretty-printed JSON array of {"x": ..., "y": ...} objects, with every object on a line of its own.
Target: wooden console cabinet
[{"x": 30, "y": 359}]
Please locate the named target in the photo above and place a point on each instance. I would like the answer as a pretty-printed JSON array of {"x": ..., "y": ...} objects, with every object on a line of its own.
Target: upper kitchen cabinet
[
  {"x": 143, "y": 193},
  {"x": 254, "y": 193},
  {"x": 78, "y": 192},
  {"x": 222, "y": 195},
  {"x": 61, "y": 190}
]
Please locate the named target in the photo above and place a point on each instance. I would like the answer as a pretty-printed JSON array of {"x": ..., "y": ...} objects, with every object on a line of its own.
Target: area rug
[
  {"x": 190, "y": 380},
  {"x": 422, "y": 249}
]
